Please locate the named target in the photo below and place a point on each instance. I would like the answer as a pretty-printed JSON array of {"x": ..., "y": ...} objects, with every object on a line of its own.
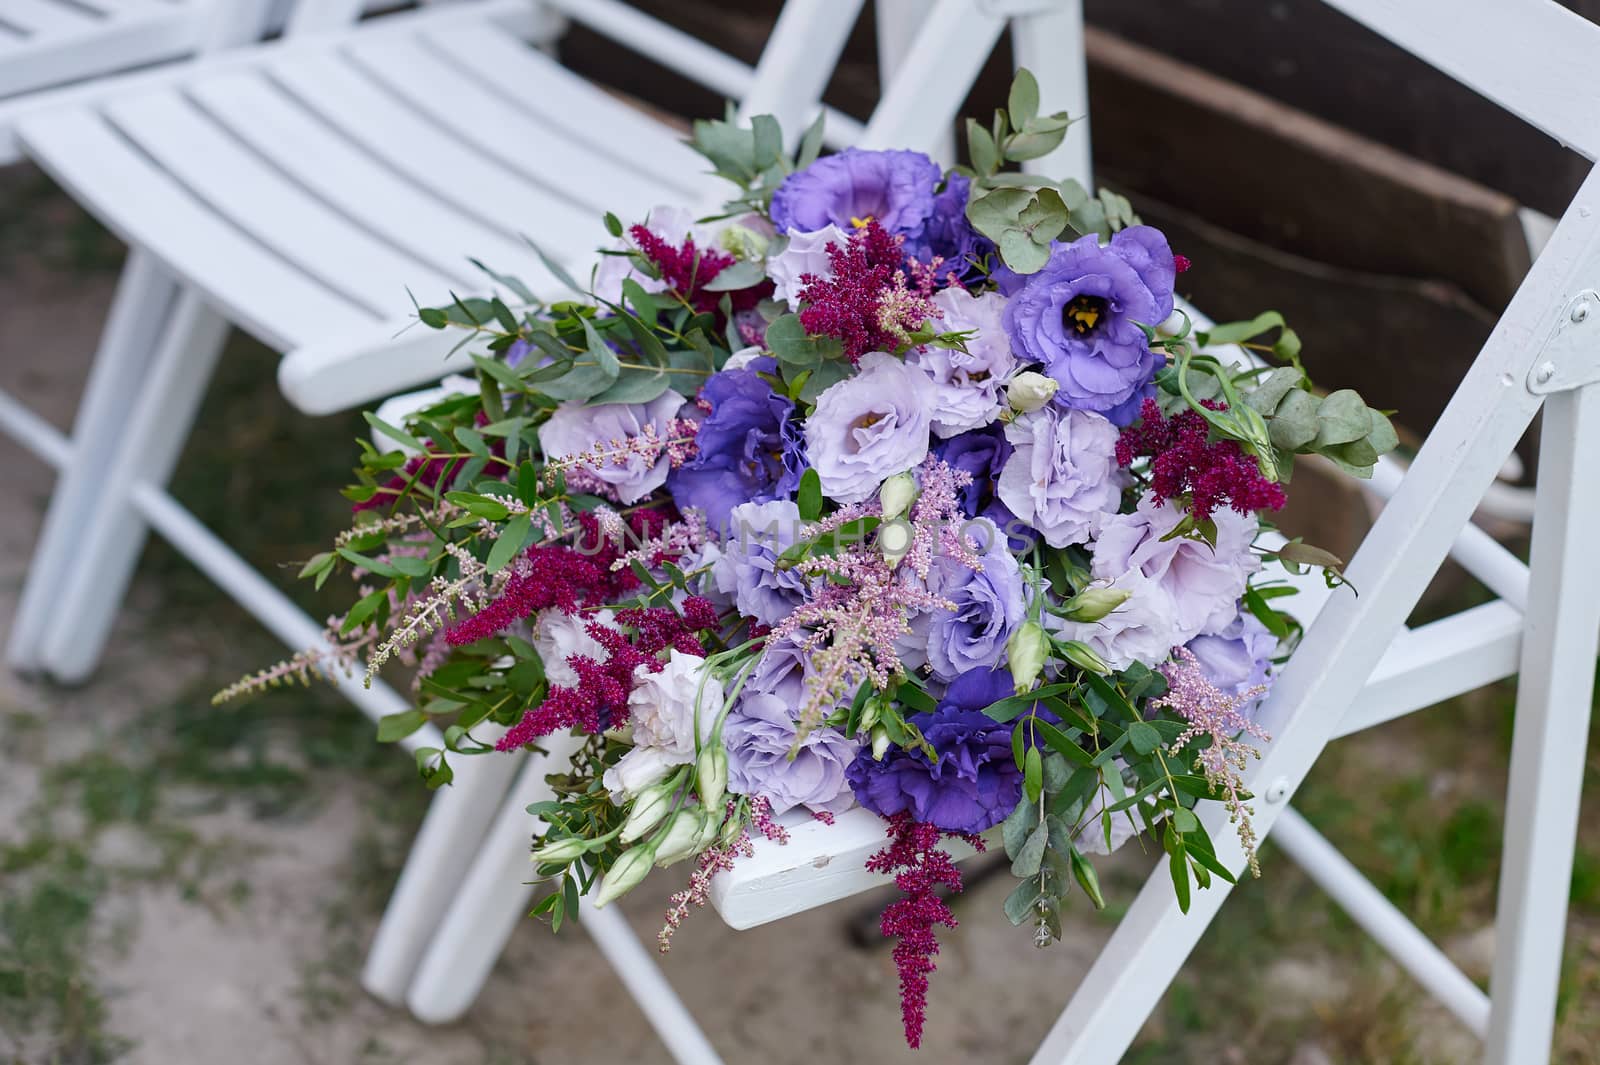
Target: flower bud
[
  {"x": 743, "y": 242},
  {"x": 894, "y": 540},
  {"x": 896, "y": 495},
  {"x": 682, "y": 833},
  {"x": 1084, "y": 657},
  {"x": 649, "y": 807},
  {"x": 869, "y": 715},
  {"x": 711, "y": 774},
  {"x": 560, "y": 852},
  {"x": 1025, "y": 652},
  {"x": 625, "y": 875},
  {"x": 880, "y": 742},
  {"x": 1092, "y": 604},
  {"x": 731, "y": 829},
  {"x": 1029, "y": 391}
]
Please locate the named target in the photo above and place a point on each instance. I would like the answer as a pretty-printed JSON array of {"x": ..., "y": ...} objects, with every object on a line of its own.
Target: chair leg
[
  {"x": 495, "y": 897},
  {"x": 444, "y": 848},
  {"x": 1548, "y": 748},
  {"x": 140, "y": 310},
  {"x": 108, "y": 534}
]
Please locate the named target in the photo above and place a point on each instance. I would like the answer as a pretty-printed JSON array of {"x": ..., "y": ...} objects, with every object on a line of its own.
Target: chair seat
[
  {"x": 47, "y": 43},
  {"x": 315, "y": 186}
]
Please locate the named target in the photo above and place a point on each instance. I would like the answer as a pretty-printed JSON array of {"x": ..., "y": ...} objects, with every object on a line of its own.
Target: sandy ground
[{"x": 188, "y": 886}]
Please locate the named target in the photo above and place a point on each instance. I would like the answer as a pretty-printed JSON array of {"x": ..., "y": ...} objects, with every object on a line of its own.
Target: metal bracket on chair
[{"x": 1571, "y": 357}]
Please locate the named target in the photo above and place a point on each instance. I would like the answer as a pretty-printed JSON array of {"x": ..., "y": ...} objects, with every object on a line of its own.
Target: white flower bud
[
  {"x": 894, "y": 540},
  {"x": 880, "y": 742},
  {"x": 1092, "y": 604},
  {"x": 625, "y": 875},
  {"x": 1025, "y": 653},
  {"x": 649, "y": 807},
  {"x": 743, "y": 242},
  {"x": 683, "y": 831},
  {"x": 559, "y": 852},
  {"x": 711, "y": 774},
  {"x": 1028, "y": 391},
  {"x": 896, "y": 495},
  {"x": 1084, "y": 657}
]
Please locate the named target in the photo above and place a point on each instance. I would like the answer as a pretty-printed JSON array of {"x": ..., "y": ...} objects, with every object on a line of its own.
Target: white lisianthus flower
[
  {"x": 662, "y": 705},
  {"x": 559, "y": 636}
]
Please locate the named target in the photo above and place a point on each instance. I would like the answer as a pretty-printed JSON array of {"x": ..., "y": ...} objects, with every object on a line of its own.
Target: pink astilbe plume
[
  {"x": 920, "y": 868},
  {"x": 868, "y": 304},
  {"x": 687, "y": 269},
  {"x": 855, "y": 617},
  {"x": 1183, "y": 461},
  {"x": 1214, "y": 713},
  {"x": 599, "y": 700},
  {"x": 719, "y": 858}
]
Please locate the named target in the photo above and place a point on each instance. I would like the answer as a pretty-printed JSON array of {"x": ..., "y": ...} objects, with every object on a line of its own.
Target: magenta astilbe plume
[
  {"x": 867, "y": 304},
  {"x": 920, "y": 868},
  {"x": 1184, "y": 461},
  {"x": 599, "y": 700},
  {"x": 547, "y": 576},
  {"x": 687, "y": 269}
]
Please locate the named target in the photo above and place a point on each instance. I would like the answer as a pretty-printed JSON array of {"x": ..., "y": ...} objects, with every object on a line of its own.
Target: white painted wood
[
  {"x": 1535, "y": 58},
  {"x": 41, "y": 17},
  {"x": 897, "y": 24},
  {"x": 444, "y": 165},
  {"x": 230, "y": 180},
  {"x": 922, "y": 100},
  {"x": 338, "y": 371},
  {"x": 146, "y": 208},
  {"x": 797, "y": 62},
  {"x": 138, "y": 313},
  {"x": 1548, "y": 749},
  {"x": 1049, "y": 43},
  {"x": 357, "y": 185}
]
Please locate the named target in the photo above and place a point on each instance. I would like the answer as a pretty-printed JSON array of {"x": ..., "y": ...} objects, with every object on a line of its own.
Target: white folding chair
[
  {"x": 1358, "y": 665},
  {"x": 299, "y": 190}
]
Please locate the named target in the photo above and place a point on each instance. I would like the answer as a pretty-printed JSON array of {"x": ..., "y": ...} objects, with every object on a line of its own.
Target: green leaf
[
  {"x": 1020, "y": 252},
  {"x": 1264, "y": 613},
  {"x": 1294, "y": 424},
  {"x": 398, "y": 435},
  {"x": 809, "y": 498},
  {"x": 1270, "y": 390},
  {"x": 1180, "y": 877},
  {"x": 738, "y": 276},
  {"x": 512, "y": 539},
  {"x": 1142, "y": 738},
  {"x": 556, "y": 269},
  {"x": 1032, "y": 772},
  {"x": 1012, "y": 705},
  {"x": 470, "y": 440},
  {"x": 1021, "y": 904},
  {"x": 981, "y": 149},
  {"x": 1017, "y": 826},
  {"x": 787, "y": 339},
  {"x": 1059, "y": 742},
  {"x": 1306, "y": 555},
  {"x": 1022, "y": 104},
  {"x": 393, "y": 727},
  {"x": 479, "y": 506},
  {"x": 1031, "y": 856},
  {"x": 810, "y": 143},
  {"x": 1342, "y": 418}
]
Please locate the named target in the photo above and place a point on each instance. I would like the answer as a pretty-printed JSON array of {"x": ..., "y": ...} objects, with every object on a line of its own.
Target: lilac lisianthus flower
[
  {"x": 575, "y": 428},
  {"x": 1062, "y": 477},
  {"x": 972, "y": 785},
  {"x": 982, "y": 453},
  {"x": 759, "y": 735},
  {"x": 1198, "y": 585},
  {"x": 1237, "y": 657},
  {"x": 748, "y": 572},
  {"x": 870, "y": 427},
  {"x": 1078, "y": 317},
  {"x": 970, "y": 384},
  {"x": 989, "y": 604},
  {"x": 894, "y": 187},
  {"x": 748, "y": 449},
  {"x": 806, "y": 254}
]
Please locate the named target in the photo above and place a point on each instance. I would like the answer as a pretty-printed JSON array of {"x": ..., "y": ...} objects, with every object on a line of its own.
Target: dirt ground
[{"x": 190, "y": 885}]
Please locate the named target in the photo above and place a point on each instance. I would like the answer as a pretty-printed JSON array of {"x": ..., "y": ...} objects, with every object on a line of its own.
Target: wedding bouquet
[{"x": 882, "y": 486}]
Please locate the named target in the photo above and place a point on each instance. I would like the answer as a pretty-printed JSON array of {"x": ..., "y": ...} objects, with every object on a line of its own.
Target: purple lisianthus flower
[
  {"x": 1198, "y": 586},
  {"x": 1238, "y": 656},
  {"x": 972, "y": 785},
  {"x": 870, "y": 427},
  {"x": 760, "y": 730},
  {"x": 982, "y": 453},
  {"x": 970, "y": 384},
  {"x": 989, "y": 604},
  {"x": 748, "y": 447},
  {"x": 894, "y": 187},
  {"x": 575, "y": 428},
  {"x": 1077, "y": 316},
  {"x": 949, "y": 235},
  {"x": 757, "y": 534},
  {"x": 1062, "y": 477}
]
